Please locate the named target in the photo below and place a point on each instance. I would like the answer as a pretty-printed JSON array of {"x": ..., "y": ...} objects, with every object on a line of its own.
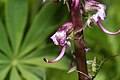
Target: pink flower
[
  {"x": 76, "y": 3},
  {"x": 59, "y": 38},
  {"x": 100, "y": 14}
]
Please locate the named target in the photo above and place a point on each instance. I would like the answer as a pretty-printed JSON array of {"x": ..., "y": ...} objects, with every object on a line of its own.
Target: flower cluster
[{"x": 60, "y": 37}]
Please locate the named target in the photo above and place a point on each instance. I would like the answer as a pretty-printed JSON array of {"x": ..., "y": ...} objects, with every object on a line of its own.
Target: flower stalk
[
  {"x": 79, "y": 43},
  {"x": 76, "y": 26}
]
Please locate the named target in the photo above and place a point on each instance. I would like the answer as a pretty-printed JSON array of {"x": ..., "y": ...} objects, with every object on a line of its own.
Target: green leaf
[
  {"x": 14, "y": 75},
  {"x": 42, "y": 25},
  {"x": 16, "y": 12},
  {"x": 27, "y": 74},
  {"x": 4, "y": 44},
  {"x": 4, "y": 72},
  {"x": 3, "y": 59},
  {"x": 35, "y": 6},
  {"x": 38, "y": 71},
  {"x": 55, "y": 74}
]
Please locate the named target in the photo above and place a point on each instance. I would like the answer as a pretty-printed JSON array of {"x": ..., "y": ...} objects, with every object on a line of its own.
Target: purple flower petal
[
  {"x": 106, "y": 31},
  {"x": 59, "y": 38},
  {"x": 87, "y": 49},
  {"x": 76, "y": 3},
  {"x": 91, "y": 5},
  {"x": 58, "y": 58},
  {"x": 101, "y": 11},
  {"x": 68, "y": 43},
  {"x": 100, "y": 8}
]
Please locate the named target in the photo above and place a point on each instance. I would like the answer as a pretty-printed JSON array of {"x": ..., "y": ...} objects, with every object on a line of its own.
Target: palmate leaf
[
  {"x": 23, "y": 34},
  {"x": 45, "y": 22},
  {"x": 29, "y": 75},
  {"x": 14, "y": 75},
  {"x": 35, "y": 6},
  {"x": 16, "y": 12},
  {"x": 35, "y": 71}
]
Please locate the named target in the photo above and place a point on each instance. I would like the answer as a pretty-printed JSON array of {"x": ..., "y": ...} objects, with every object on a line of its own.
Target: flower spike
[
  {"x": 59, "y": 57},
  {"x": 106, "y": 31}
]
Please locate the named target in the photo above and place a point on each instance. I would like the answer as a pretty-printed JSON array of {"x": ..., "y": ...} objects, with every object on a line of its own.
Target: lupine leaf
[
  {"x": 35, "y": 6},
  {"x": 3, "y": 59},
  {"x": 42, "y": 25},
  {"x": 14, "y": 75},
  {"x": 4, "y": 45},
  {"x": 38, "y": 71},
  {"x": 4, "y": 72},
  {"x": 16, "y": 12},
  {"x": 27, "y": 74}
]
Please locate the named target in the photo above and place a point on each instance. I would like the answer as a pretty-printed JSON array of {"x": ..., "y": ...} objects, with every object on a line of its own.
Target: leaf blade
[
  {"x": 27, "y": 74},
  {"x": 4, "y": 44},
  {"x": 4, "y": 72},
  {"x": 38, "y": 28},
  {"x": 16, "y": 21},
  {"x": 14, "y": 75}
]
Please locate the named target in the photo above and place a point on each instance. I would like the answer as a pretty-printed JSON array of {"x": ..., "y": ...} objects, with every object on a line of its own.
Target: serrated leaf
[
  {"x": 14, "y": 75},
  {"x": 16, "y": 12}
]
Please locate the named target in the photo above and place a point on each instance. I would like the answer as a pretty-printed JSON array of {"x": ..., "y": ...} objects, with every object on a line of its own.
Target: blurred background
[{"x": 25, "y": 30}]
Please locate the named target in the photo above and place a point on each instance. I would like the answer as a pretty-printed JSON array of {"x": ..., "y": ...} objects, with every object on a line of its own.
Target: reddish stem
[{"x": 79, "y": 43}]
